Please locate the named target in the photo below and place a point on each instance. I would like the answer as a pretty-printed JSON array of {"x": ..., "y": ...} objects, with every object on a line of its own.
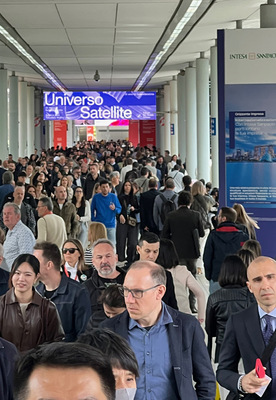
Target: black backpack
[{"x": 168, "y": 205}]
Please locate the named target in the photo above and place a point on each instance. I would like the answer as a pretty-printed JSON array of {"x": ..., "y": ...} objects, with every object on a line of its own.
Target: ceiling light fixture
[
  {"x": 14, "y": 41},
  {"x": 151, "y": 66}
]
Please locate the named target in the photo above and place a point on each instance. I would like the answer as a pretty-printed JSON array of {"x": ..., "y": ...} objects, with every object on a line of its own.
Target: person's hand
[
  {"x": 131, "y": 208},
  {"x": 112, "y": 206},
  {"x": 251, "y": 383},
  {"x": 199, "y": 271},
  {"x": 78, "y": 217},
  {"x": 201, "y": 320},
  {"x": 122, "y": 219}
]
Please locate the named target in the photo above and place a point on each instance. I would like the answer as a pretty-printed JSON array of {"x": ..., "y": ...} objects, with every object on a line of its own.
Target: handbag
[
  {"x": 131, "y": 221},
  {"x": 267, "y": 353}
]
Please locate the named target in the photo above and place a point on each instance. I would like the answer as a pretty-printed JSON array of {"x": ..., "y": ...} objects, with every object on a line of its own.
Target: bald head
[{"x": 262, "y": 282}]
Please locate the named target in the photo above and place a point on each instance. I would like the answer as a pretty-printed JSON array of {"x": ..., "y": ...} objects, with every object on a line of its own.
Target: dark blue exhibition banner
[{"x": 99, "y": 105}]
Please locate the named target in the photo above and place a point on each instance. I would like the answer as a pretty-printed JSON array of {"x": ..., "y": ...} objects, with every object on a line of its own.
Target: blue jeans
[{"x": 111, "y": 235}]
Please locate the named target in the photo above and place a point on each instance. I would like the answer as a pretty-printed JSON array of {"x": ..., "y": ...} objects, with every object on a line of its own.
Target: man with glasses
[
  {"x": 104, "y": 259},
  {"x": 168, "y": 344},
  {"x": 70, "y": 297},
  {"x": 50, "y": 227}
]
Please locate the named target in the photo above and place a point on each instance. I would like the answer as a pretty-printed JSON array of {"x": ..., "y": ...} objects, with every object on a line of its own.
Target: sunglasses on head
[{"x": 71, "y": 250}]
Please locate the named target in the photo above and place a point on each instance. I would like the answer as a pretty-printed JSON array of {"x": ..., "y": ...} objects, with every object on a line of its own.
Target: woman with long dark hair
[
  {"x": 83, "y": 214},
  {"x": 26, "y": 318},
  {"x": 127, "y": 227},
  {"x": 231, "y": 298}
]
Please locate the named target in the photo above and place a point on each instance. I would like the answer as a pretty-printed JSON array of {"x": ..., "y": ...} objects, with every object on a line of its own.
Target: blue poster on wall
[
  {"x": 99, "y": 105},
  {"x": 250, "y": 136},
  {"x": 247, "y": 127}
]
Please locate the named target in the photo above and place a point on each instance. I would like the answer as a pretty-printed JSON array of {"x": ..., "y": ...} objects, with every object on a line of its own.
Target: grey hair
[
  {"x": 7, "y": 177},
  {"x": 14, "y": 206},
  {"x": 102, "y": 241},
  {"x": 1, "y": 250},
  {"x": 114, "y": 174}
]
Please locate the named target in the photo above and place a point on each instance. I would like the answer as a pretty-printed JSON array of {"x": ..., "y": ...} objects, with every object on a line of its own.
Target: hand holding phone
[{"x": 260, "y": 371}]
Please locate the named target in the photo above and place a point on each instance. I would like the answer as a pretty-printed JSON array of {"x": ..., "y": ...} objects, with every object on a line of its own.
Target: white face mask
[{"x": 125, "y": 394}]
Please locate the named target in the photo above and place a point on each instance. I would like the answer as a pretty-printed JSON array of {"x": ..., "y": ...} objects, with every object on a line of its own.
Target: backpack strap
[
  {"x": 164, "y": 199},
  {"x": 174, "y": 196}
]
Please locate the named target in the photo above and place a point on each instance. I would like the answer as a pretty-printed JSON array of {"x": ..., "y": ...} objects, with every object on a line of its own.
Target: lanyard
[{"x": 67, "y": 273}]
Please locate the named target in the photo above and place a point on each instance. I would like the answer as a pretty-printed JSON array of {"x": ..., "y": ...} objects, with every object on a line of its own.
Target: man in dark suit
[
  {"x": 168, "y": 344},
  {"x": 247, "y": 334},
  {"x": 183, "y": 227},
  {"x": 8, "y": 357},
  {"x": 146, "y": 207}
]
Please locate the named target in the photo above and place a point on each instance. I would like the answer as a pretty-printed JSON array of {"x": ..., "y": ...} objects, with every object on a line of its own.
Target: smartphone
[{"x": 260, "y": 371}]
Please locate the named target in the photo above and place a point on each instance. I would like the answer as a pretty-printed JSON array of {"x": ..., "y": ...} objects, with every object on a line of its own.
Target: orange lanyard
[{"x": 67, "y": 273}]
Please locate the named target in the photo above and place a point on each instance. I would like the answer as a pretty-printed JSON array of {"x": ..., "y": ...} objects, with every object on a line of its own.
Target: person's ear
[
  {"x": 138, "y": 248},
  {"x": 249, "y": 287},
  {"x": 161, "y": 290}
]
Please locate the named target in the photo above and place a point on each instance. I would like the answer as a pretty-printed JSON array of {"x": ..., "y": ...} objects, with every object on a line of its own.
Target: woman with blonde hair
[
  {"x": 96, "y": 230},
  {"x": 203, "y": 206},
  {"x": 247, "y": 222},
  {"x": 73, "y": 257}
]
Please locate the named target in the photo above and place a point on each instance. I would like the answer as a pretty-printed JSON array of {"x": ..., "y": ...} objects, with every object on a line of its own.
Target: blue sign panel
[
  {"x": 99, "y": 105},
  {"x": 213, "y": 130}
]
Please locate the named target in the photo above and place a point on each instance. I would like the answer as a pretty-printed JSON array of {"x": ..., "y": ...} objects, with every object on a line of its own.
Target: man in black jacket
[
  {"x": 146, "y": 207},
  {"x": 70, "y": 297},
  {"x": 183, "y": 227},
  {"x": 226, "y": 239},
  {"x": 148, "y": 250},
  {"x": 8, "y": 356},
  {"x": 104, "y": 259}
]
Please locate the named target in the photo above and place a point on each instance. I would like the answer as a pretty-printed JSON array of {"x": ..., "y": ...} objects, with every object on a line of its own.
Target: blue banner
[{"x": 99, "y": 106}]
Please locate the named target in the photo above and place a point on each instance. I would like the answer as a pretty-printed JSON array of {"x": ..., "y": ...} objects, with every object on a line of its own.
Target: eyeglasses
[
  {"x": 70, "y": 250},
  {"x": 78, "y": 191},
  {"x": 135, "y": 293}
]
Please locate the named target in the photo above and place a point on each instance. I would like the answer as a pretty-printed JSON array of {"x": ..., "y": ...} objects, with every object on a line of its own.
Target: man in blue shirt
[
  {"x": 104, "y": 207},
  {"x": 168, "y": 344}
]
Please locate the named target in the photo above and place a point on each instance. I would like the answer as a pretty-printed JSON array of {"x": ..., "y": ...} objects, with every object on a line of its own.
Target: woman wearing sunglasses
[
  {"x": 26, "y": 318},
  {"x": 73, "y": 257}
]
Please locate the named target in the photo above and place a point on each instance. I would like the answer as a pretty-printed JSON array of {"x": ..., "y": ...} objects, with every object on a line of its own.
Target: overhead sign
[{"x": 99, "y": 105}]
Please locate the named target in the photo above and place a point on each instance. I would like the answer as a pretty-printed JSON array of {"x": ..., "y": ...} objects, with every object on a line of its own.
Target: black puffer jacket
[{"x": 220, "y": 305}]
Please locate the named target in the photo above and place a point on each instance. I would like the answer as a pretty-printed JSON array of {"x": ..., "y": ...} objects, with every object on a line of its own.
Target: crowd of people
[{"x": 102, "y": 244}]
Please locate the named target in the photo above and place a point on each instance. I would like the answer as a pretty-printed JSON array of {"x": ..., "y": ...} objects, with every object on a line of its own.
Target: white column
[
  {"x": 181, "y": 115},
  {"x": 23, "y": 125},
  {"x": 70, "y": 134},
  {"x": 160, "y": 121},
  {"x": 174, "y": 116},
  {"x": 190, "y": 105},
  {"x": 203, "y": 121},
  {"x": 13, "y": 117},
  {"x": 4, "y": 151},
  {"x": 268, "y": 15},
  {"x": 167, "y": 118},
  {"x": 214, "y": 116},
  {"x": 30, "y": 120},
  {"x": 38, "y": 120},
  {"x": 50, "y": 138}
]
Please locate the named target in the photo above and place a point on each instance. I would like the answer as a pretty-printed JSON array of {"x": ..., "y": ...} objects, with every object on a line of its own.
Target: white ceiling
[{"x": 76, "y": 37}]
